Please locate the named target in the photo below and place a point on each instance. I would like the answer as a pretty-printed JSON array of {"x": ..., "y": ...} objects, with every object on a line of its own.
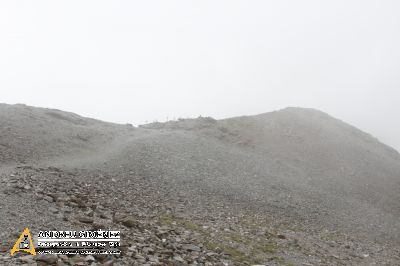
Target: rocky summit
[{"x": 291, "y": 187}]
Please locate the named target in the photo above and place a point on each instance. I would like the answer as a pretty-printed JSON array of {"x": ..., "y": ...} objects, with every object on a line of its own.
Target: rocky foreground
[
  {"x": 197, "y": 192},
  {"x": 156, "y": 233}
]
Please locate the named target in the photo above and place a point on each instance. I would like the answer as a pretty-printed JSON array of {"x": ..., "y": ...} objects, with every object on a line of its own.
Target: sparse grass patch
[
  {"x": 268, "y": 248},
  {"x": 189, "y": 225},
  {"x": 166, "y": 219},
  {"x": 211, "y": 245},
  {"x": 170, "y": 219},
  {"x": 237, "y": 255},
  {"x": 256, "y": 261},
  {"x": 233, "y": 252},
  {"x": 239, "y": 238},
  {"x": 331, "y": 236},
  {"x": 282, "y": 261},
  {"x": 242, "y": 248}
]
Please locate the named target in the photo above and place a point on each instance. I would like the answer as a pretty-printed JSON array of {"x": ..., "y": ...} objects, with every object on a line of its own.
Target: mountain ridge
[{"x": 296, "y": 171}]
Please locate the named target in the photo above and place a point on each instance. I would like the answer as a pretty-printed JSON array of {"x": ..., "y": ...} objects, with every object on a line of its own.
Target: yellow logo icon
[{"x": 24, "y": 243}]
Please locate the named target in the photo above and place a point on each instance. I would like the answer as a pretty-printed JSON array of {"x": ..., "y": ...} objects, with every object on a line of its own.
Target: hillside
[
  {"x": 29, "y": 134},
  {"x": 291, "y": 187},
  {"x": 327, "y": 167}
]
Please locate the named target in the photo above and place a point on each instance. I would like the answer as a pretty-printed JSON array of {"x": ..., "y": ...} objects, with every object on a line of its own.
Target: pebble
[
  {"x": 85, "y": 219},
  {"x": 47, "y": 258}
]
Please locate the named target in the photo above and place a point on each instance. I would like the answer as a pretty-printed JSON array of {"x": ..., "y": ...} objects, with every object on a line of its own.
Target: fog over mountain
[{"x": 134, "y": 61}]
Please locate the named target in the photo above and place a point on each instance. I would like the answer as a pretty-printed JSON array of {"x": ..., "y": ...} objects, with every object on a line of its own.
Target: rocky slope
[
  {"x": 31, "y": 134},
  {"x": 292, "y": 187}
]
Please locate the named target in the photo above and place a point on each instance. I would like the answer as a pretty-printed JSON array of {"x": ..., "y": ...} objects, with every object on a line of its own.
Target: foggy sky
[{"x": 138, "y": 61}]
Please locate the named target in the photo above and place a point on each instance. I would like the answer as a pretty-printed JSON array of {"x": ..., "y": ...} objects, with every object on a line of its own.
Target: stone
[
  {"x": 77, "y": 260},
  {"x": 89, "y": 258},
  {"x": 109, "y": 263},
  {"x": 179, "y": 259},
  {"x": 47, "y": 258},
  {"x": 60, "y": 263},
  {"x": 130, "y": 222},
  {"x": 281, "y": 236},
  {"x": 85, "y": 219},
  {"x": 118, "y": 217},
  {"x": 98, "y": 225},
  {"x": 53, "y": 210},
  {"x": 63, "y": 257},
  {"x": 190, "y": 247},
  {"x": 27, "y": 259},
  {"x": 48, "y": 198}
]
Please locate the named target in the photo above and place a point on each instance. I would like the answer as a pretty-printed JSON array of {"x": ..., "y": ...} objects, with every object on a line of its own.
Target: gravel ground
[{"x": 292, "y": 187}]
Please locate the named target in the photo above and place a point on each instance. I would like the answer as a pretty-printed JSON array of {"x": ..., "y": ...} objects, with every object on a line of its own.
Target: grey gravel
[{"x": 292, "y": 187}]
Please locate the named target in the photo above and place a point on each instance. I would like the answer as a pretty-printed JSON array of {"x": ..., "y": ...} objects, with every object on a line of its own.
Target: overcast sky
[{"x": 138, "y": 61}]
